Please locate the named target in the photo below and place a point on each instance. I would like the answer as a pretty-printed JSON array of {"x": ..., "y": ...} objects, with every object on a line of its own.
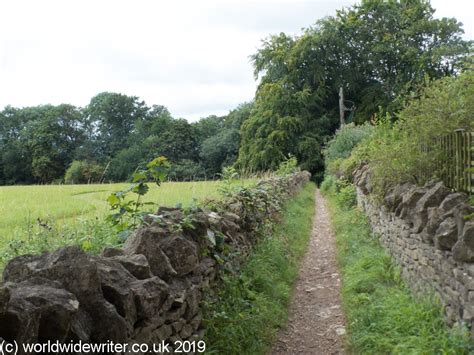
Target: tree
[
  {"x": 112, "y": 118},
  {"x": 378, "y": 51},
  {"x": 221, "y": 144}
]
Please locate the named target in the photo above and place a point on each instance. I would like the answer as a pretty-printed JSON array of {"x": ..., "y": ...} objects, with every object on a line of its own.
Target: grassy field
[{"x": 75, "y": 213}]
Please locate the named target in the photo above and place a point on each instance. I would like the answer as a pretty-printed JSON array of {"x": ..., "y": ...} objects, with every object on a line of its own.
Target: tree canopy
[
  {"x": 109, "y": 139},
  {"x": 377, "y": 51}
]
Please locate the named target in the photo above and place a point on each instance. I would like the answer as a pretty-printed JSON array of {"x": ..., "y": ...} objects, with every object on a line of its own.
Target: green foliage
[
  {"x": 187, "y": 170},
  {"x": 341, "y": 145},
  {"x": 245, "y": 314},
  {"x": 128, "y": 214},
  {"x": 394, "y": 152},
  {"x": 40, "y": 236},
  {"x": 117, "y": 131},
  {"x": 228, "y": 176},
  {"x": 83, "y": 172},
  {"x": 327, "y": 186},
  {"x": 378, "y": 51},
  {"x": 383, "y": 317},
  {"x": 288, "y": 166},
  {"x": 347, "y": 198}
]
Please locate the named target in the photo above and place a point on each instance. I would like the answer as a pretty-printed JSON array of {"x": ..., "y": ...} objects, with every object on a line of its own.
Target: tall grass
[
  {"x": 252, "y": 303},
  {"x": 384, "y": 317}
]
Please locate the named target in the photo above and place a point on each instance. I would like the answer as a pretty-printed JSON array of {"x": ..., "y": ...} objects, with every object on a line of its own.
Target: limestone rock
[
  {"x": 182, "y": 254},
  {"x": 432, "y": 198},
  {"x": 149, "y": 295},
  {"x": 40, "y": 310},
  {"x": 147, "y": 241},
  {"x": 78, "y": 274},
  {"x": 409, "y": 200},
  {"x": 446, "y": 234},
  {"x": 109, "y": 252},
  {"x": 136, "y": 264},
  {"x": 463, "y": 250},
  {"x": 115, "y": 283},
  {"x": 452, "y": 200},
  {"x": 395, "y": 195}
]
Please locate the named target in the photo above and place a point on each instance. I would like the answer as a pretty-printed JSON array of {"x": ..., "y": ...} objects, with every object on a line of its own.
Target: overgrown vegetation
[
  {"x": 340, "y": 147},
  {"x": 383, "y": 316},
  {"x": 127, "y": 214},
  {"x": 393, "y": 147},
  {"x": 378, "y": 51},
  {"x": 252, "y": 302}
]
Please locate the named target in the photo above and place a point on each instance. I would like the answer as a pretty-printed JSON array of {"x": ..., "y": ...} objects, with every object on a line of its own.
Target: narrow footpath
[{"x": 316, "y": 322}]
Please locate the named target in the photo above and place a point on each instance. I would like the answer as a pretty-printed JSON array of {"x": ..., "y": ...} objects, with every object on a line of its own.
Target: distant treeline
[
  {"x": 381, "y": 52},
  {"x": 110, "y": 138}
]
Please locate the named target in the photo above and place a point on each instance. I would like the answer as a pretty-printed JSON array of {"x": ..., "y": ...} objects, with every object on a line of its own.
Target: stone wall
[
  {"x": 147, "y": 292},
  {"x": 426, "y": 231}
]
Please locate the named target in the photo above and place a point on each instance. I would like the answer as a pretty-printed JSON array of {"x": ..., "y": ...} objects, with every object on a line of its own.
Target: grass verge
[
  {"x": 251, "y": 304},
  {"x": 383, "y": 315}
]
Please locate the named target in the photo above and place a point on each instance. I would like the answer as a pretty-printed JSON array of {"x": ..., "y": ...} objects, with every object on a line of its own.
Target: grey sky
[{"x": 191, "y": 56}]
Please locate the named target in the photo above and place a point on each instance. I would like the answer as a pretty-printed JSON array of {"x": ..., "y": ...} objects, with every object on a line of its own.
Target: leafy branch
[{"x": 127, "y": 214}]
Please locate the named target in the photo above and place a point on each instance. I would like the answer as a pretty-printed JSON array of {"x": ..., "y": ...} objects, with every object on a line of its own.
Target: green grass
[
  {"x": 383, "y": 315},
  {"x": 252, "y": 304},
  {"x": 76, "y": 213}
]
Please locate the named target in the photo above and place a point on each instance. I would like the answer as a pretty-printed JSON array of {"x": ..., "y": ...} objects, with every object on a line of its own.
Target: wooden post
[{"x": 341, "y": 106}]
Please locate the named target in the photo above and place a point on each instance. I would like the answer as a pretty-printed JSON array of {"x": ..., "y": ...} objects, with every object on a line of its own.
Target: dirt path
[{"x": 316, "y": 324}]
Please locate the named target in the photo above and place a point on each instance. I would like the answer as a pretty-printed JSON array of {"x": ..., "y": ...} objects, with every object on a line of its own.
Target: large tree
[
  {"x": 377, "y": 51},
  {"x": 111, "y": 119}
]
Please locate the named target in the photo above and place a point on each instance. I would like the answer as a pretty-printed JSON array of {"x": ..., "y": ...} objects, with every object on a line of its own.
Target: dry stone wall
[
  {"x": 426, "y": 231},
  {"x": 147, "y": 292}
]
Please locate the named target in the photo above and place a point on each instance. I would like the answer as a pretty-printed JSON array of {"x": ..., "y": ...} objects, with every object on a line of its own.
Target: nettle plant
[{"x": 128, "y": 213}]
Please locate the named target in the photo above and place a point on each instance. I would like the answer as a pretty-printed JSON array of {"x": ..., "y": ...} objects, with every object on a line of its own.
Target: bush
[
  {"x": 288, "y": 166},
  {"x": 394, "y": 151},
  {"x": 347, "y": 198},
  {"x": 345, "y": 139},
  {"x": 83, "y": 172},
  {"x": 328, "y": 184}
]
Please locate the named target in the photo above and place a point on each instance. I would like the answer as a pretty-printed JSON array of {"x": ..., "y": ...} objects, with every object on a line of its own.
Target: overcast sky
[{"x": 191, "y": 56}]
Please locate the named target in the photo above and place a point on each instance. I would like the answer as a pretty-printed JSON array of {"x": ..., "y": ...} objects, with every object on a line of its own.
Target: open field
[{"x": 76, "y": 213}]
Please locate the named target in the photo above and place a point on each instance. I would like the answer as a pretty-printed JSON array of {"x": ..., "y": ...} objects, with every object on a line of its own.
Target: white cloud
[{"x": 191, "y": 56}]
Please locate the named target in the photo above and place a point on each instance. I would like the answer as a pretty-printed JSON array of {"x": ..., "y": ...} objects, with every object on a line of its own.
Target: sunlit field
[{"x": 76, "y": 213}]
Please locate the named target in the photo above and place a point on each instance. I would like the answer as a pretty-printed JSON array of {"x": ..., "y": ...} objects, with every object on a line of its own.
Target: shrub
[
  {"x": 83, "y": 172},
  {"x": 347, "y": 198},
  {"x": 345, "y": 139},
  {"x": 394, "y": 151},
  {"x": 328, "y": 184},
  {"x": 288, "y": 166}
]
